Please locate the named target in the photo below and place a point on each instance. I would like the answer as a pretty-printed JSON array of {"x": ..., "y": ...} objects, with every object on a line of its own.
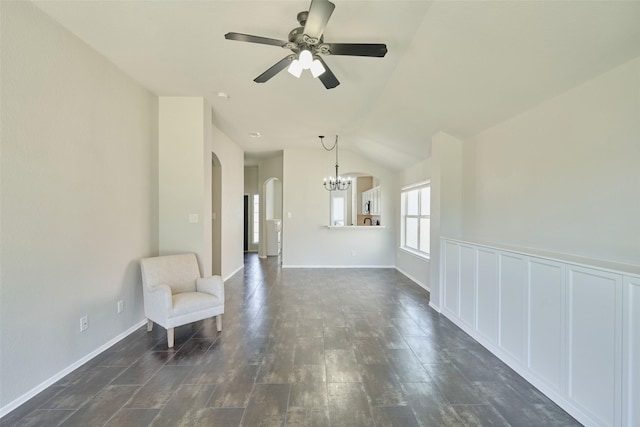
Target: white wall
[
  {"x": 231, "y": 159},
  {"x": 564, "y": 176},
  {"x": 306, "y": 239},
  {"x": 182, "y": 176},
  {"x": 416, "y": 268},
  {"x": 446, "y": 202},
  {"x": 79, "y": 200}
]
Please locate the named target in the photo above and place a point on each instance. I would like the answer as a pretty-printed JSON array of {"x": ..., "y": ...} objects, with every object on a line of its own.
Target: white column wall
[{"x": 181, "y": 177}]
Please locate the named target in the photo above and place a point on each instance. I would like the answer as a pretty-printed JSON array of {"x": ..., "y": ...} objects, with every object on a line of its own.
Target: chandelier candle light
[{"x": 338, "y": 183}]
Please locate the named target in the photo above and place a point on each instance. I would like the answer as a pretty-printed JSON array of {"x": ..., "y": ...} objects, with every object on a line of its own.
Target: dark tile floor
[{"x": 300, "y": 347}]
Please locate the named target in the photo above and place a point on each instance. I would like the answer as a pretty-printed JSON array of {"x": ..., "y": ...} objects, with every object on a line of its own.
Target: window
[
  {"x": 416, "y": 219},
  {"x": 256, "y": 218},
  {"x": 338, "y": 207}
]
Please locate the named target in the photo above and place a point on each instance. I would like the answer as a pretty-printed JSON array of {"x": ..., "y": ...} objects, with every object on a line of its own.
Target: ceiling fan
[{"x": 307, "y": 44}]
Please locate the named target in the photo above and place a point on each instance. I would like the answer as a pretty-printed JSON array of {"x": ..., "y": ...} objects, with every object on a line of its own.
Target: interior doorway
[{"x": 246, "y": 223}]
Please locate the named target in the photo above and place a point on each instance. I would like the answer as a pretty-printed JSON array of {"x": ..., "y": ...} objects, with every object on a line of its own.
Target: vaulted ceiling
[{"x": 454, "y": 66}]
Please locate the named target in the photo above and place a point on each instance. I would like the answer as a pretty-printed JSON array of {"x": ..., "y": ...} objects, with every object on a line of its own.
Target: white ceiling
[{"x": 455, "y": 66}]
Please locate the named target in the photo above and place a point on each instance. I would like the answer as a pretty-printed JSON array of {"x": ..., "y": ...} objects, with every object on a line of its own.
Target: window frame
[{"x": 418, "y": 217}]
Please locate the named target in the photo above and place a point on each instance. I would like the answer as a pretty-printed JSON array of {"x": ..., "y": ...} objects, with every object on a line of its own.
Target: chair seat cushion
[{"x": 189, "y": 302}]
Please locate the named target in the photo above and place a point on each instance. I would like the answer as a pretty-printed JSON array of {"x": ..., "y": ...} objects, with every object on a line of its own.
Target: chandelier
[{"x": 336, "y": 183}]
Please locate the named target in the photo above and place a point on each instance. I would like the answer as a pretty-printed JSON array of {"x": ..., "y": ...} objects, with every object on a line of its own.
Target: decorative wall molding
[{"x": 568, "y": 325}]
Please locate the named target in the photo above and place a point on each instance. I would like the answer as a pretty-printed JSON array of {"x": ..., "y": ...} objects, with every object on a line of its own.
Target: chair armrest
[
  {"x": 159, "y": 297},
  {"x": 212, "y": 285}
]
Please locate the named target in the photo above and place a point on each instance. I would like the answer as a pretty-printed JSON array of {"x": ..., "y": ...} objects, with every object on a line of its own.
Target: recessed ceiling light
[{"x": 254, "y": 134}]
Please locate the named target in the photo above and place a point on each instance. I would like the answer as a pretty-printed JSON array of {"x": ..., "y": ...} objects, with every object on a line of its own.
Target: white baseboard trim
[
  {"x": 435, "y": 307},
  {"x": 40, "y": 387},
  {"x": 229, "y": 276},
  {"x": 413, "y": 279}
]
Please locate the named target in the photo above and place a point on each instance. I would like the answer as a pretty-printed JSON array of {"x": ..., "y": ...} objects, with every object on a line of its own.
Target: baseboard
[
  {"x": 66, "y": 371},
  {"x": 229, "y": 276},
  {"x": 413, "y": 279}
]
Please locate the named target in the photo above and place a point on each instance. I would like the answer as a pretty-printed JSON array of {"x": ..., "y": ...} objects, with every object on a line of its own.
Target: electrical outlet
[
  {"x": 84, "y": 323},
  {"x": 353, "y": 253},
  {"x": 120, "y": 306}
]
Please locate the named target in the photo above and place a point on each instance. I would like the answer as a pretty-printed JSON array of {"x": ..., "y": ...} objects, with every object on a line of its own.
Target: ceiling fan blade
[
  {"x": 254, "y": 39},
  {"x": 356, "y": 49},
  {"x": 327, "y": 78},
  {"x": 319, "y": 13},
  {"x": 275, "y": 69}
]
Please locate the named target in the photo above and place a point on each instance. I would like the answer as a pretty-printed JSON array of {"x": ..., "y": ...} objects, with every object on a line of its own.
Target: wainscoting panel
[
  {"x": 594, "y": 315},
  {"x": 488, "y": 294},
  {"x": 467, "y": 285},
  {"x": 451, "y": 272},
  {"x": 546, "y": 320},
  {"x": 513, "y": 291},
  {"x": 569, "y": 325},
  {"x": 631, "y": 351}
]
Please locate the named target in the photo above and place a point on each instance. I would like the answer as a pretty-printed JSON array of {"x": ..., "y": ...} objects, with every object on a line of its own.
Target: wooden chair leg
[
  {"x": 219, "y": 322},
  {"x": 149, "y": 325},
  {"x": 170, "y": 337}
]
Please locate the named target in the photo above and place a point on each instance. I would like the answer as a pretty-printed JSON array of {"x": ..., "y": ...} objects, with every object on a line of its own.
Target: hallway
[{"x": 300, "y": 347}]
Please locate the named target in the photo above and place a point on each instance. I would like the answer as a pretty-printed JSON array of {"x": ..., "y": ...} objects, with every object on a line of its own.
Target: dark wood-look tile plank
[
  {"x": 192, "y": 353},
  {"x": 220, "y": 417},
  {"x": 394, "y": 416},
  {"x": 132, "y": 417},
  {"x": 430, "y": 406},
  {"x": 143, "y": 369},
  {"x": 392, "y": 339},
  {"x": 456, "y": 387},
  {"x": 159, "y": 389},
  {"x": 308, "y": 417},
  {"x": 277, "y": 366},
  {"x": 427, "y": 350},
  {"x": 309, "y": 351},
  {"x": 32, "y": 404},
  {"x": 407, "y": 366},
  {"x": 309, "y": 387},
  {"x": 309, "y": 327},
  {"x": 517, "y": 411},
  {"x": 184, "y": 407},
  {"x": 235, "y": 388},
  {"x": 382, "y": 386},
  {"x": 348, "y": 405},
  {"x": 81, "y": 389},
  {"x": 368, "y": 351},
  {"x": 342, "y": 366},
  {"x": 40, "y": 418},
  {"x": 102, "y": 407},
  {"x": 333, "y": 318},
  {"x": 480, "y": 415},
  {"x": 267, "y": 406},
  {"x": 337, "y": 338}
]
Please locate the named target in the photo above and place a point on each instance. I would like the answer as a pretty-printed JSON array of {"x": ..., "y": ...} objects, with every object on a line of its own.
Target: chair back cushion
[{"x": 179, "y": 272}]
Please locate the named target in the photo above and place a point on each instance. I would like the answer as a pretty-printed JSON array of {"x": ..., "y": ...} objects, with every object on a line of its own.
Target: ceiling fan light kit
[
  {"x": 305, "y": 61},
  {"x": 307, "y": 44}
]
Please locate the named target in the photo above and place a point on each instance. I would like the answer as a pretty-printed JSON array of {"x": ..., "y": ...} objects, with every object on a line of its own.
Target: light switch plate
[{"x": 193, "y": 218}]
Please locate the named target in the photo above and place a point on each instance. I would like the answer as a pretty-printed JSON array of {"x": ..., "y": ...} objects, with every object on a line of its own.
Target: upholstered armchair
[{"x": 175, "y": 294}]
